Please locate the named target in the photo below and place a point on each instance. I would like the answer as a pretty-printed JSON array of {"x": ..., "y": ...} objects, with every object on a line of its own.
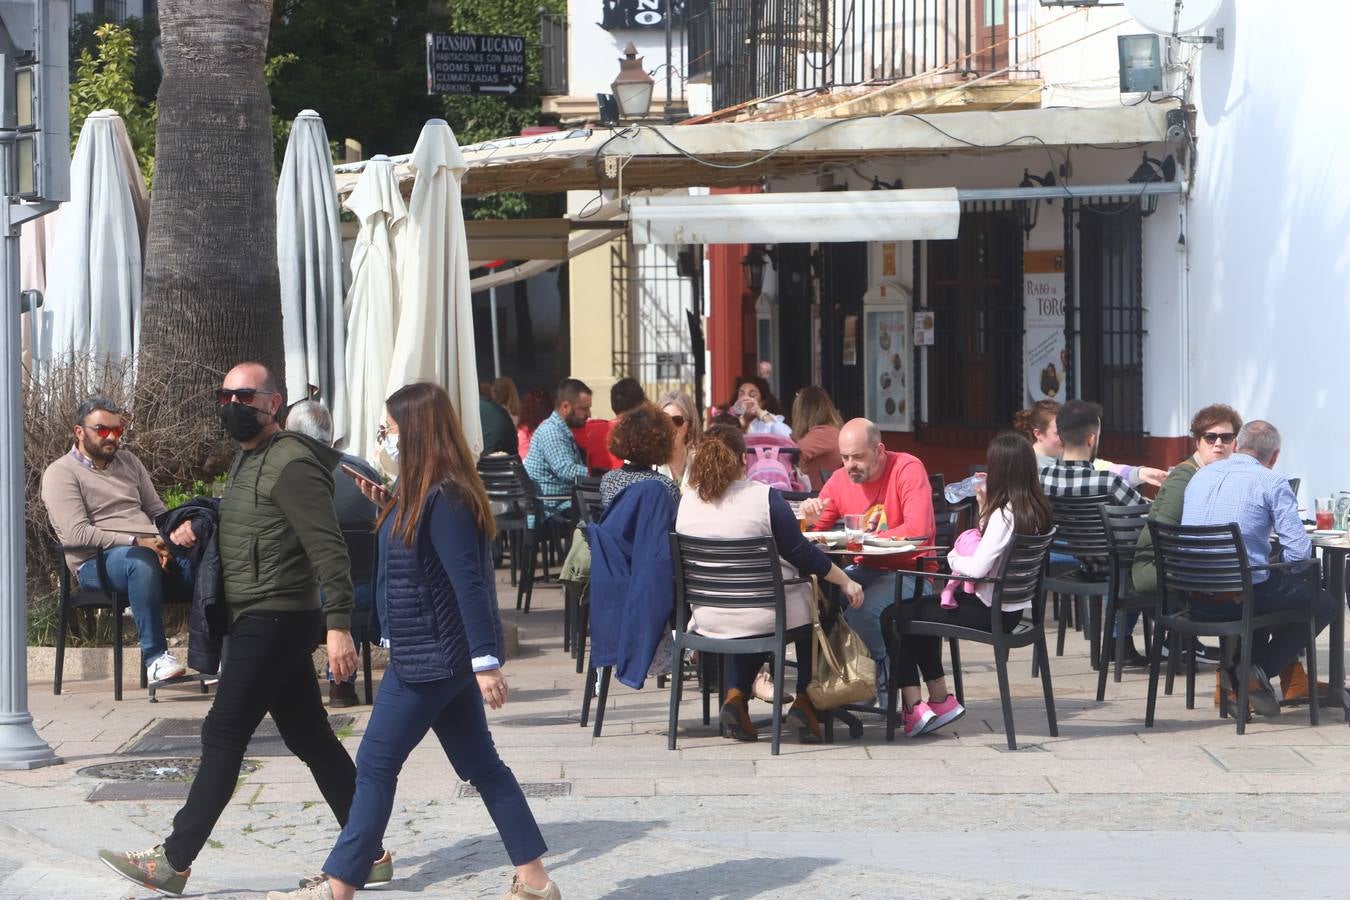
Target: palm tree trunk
[{"x": 211, "y": 296}]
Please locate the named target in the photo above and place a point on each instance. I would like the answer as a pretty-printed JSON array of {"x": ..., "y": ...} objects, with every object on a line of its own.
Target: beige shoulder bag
[{"x": 844, "y": 672}]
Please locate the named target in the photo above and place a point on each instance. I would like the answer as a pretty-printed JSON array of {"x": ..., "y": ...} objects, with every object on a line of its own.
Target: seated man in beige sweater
[{"x": 100, "y": 497}]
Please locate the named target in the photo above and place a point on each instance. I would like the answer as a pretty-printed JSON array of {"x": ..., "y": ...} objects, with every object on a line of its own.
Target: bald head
[{"x": 861, "y": 449}]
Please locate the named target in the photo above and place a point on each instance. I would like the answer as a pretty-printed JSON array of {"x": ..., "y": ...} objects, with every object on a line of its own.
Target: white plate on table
[{"x": 1330, "y": 533}]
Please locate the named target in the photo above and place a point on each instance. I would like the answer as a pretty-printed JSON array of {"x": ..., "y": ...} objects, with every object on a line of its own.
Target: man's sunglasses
[
  {"x": 106, "y": 431},
  {"x": 1213, "y": 437},
  {"x": 678, "y": 420},
  {"x": 225, "y": 396}
]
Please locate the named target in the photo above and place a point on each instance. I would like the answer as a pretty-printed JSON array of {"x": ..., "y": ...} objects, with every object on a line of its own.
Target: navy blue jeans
[
  {"x": 1275, "y": 648},
  {"x": 401, "y": 717},
  {"x": 135, "y": 571}
]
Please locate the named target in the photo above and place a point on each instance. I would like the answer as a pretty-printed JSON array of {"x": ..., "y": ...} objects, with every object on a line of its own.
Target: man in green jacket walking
[{"x": 279, "y": 541}]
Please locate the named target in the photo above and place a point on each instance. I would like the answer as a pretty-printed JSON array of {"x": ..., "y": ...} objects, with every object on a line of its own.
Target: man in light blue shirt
[
  {"x": 555, "y": 462},
  {"x": 1244, "y": 490}
]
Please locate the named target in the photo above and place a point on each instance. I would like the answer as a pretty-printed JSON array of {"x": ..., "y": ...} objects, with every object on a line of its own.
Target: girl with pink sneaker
[{"x": 1012, "y": 502}]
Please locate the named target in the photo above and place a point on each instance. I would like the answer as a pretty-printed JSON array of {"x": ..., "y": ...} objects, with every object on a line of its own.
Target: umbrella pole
[
  {"x": 496, "y": 348},
  {"x": 20, "y": 745}
]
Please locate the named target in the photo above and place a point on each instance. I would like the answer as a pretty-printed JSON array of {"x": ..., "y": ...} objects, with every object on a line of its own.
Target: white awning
[
  {"x": 903, "y": 215},
  {"x": 647, "y": 157}
]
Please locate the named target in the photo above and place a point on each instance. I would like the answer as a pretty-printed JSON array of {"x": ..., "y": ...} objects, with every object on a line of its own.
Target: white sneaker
[{"x": 164, "y": 667}]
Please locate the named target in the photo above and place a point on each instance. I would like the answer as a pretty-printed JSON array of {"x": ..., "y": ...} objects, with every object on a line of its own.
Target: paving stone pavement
[{"x": 1106, "y": 809}]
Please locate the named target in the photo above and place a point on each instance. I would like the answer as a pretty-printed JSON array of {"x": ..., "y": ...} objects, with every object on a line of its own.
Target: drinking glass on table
[
  {"x": 1326, "y": 516},
  {"x": 853, "y": 532}
]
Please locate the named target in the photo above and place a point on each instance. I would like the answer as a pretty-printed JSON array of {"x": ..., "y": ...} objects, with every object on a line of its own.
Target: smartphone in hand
[{"x": 360, "y": 476}]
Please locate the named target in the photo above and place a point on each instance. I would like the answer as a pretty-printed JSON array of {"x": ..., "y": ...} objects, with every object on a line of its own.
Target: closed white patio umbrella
[
  {"x": 313, "y": 279},
  {"x": 434, "y": 340},
  {"x": 95, "y": 265},
  {"x": 372, "y": 303}
]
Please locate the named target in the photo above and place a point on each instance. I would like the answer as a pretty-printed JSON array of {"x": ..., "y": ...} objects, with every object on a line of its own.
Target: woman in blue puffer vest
[{"x": 445, "y": 646}]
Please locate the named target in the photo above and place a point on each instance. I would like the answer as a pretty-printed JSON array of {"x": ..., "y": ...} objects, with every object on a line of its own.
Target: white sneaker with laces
[{"x": 164, "y": 667}]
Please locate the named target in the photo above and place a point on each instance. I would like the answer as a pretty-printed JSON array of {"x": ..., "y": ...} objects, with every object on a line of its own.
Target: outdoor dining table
[{"x": 1335, "y": 553}]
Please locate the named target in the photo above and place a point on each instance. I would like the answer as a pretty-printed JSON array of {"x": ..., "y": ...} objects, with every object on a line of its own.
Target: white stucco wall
[
  {"x": 595, "y": 53},
  {"x": 1268, "y": 234}
]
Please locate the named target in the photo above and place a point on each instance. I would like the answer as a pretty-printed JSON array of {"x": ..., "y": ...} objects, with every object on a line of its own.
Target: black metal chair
[
  {"x": 740, "y": 574},
  {"x": 74, "y": 598},
  {"x": 1123, "y": 525},
  {"x": 939, "y": 487},
  {"x": 363, "y": 549},
  {"x": 576, "y": 608},
  {"x": 1020, "y": 579},
  {"x": 522, "y": 520},
  {"x": 1206, "y": 563},
  {"x": 1081, "y": 534}
]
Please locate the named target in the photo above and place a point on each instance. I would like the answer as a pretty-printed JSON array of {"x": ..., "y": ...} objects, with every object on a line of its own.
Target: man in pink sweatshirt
[{"x": 891, "y": 489}]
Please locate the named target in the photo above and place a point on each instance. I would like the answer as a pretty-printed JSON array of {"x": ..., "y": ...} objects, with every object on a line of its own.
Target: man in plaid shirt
[
  {"x": 555, "y": 461},
  {"x": 1080, "y": 425}
]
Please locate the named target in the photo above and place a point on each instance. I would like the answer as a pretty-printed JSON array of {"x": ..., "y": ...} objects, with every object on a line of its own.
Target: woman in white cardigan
[
  {"x": 1012, "y": 503},
  {"x": 722, "y": 503}
]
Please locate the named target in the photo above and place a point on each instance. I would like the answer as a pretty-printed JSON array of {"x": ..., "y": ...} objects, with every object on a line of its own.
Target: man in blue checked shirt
[
  {"x": 1244, "y": 490},
  {"x": 555, "y": 461}
]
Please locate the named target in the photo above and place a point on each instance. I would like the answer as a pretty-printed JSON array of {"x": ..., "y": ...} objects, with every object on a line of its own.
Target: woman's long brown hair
[
  {"x": 1015, "y": 482},
  {"x": 431, "y": 451}
]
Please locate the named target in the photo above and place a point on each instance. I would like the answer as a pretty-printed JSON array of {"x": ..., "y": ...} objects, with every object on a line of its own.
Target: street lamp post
[{"x": 29, "y": 34}]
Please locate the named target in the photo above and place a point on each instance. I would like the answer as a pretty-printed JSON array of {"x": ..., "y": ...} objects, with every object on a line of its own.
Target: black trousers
[
  {"x": 743, "y": 667},
  {"x": 921, "y": 653},
  {"x": 267, "y": 668}
]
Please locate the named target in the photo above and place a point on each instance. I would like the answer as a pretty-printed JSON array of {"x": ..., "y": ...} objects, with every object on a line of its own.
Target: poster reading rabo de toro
[{"x": 1043, "y": 348}]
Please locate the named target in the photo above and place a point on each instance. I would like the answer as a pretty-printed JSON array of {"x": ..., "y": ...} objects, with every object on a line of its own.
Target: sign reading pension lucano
[{"x": 475, "y": 64}]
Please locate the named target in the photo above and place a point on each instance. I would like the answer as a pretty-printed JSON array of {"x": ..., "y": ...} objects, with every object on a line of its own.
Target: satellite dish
[{"x": 1172, "y": 17}]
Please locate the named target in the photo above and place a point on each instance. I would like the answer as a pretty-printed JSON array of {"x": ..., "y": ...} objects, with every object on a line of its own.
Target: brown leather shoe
[
  {"x": 1294, "y": 683},
  {"x": 807, "y": 719},
  {"x": 735, "y": 718}
]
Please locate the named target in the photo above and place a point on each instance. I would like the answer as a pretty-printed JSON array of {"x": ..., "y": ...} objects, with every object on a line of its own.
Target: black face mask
[{"x": 241, "y": 422}]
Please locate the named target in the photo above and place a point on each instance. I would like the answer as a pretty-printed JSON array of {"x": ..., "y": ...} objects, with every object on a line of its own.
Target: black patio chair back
[
  {"x": 1205, "y": 564},
  {"x": 1122, "y": 526},
  {"x": 519, "y": 517},
  {"x": 741, "y": 574},
  {"x": 1078, "y": 525},
  {"x": 938, "y": 484},
  {"x": 1020, "y": 580},
  {"x": 586, "y": 498}
]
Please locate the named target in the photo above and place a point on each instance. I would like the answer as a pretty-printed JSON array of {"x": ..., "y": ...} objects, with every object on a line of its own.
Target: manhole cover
[
  {"x": 184, "y": 736},
  {"x": 538, "y": 789},
  {"x": 140, "y": 790},
  {"x": 181, "y": 769}
]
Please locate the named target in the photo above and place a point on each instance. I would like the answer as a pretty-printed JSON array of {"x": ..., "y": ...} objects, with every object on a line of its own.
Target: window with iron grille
[
  {"x": 1110, "y": 333},
  {"x": 651, "y": 299},
  {"x": 111, "y": 10},
  {"x": 973, "y": 377},
  {"x": 552, "y": 54}
]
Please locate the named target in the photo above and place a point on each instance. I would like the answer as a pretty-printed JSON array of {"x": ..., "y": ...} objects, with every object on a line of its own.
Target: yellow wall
[{"x": 591, "y": 323}]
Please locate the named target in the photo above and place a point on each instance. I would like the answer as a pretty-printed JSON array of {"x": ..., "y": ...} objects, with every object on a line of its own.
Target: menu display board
[{"x": 888, "y": 357}]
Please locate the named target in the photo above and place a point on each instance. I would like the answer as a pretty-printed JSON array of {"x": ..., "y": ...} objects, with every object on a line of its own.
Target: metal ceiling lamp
[
  {"x": 1029, "y": 210},
  {"x": 633, "y": 86},
  {"x": 1151, "y": 171}
]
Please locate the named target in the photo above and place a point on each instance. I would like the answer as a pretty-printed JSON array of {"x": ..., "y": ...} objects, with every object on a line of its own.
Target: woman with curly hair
[
  {"x": 535, "y": 407},
  {"x": 757, "y": 408},
  {"x": 642, "y": 438},
  {"x": 723, "y": 503}
]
